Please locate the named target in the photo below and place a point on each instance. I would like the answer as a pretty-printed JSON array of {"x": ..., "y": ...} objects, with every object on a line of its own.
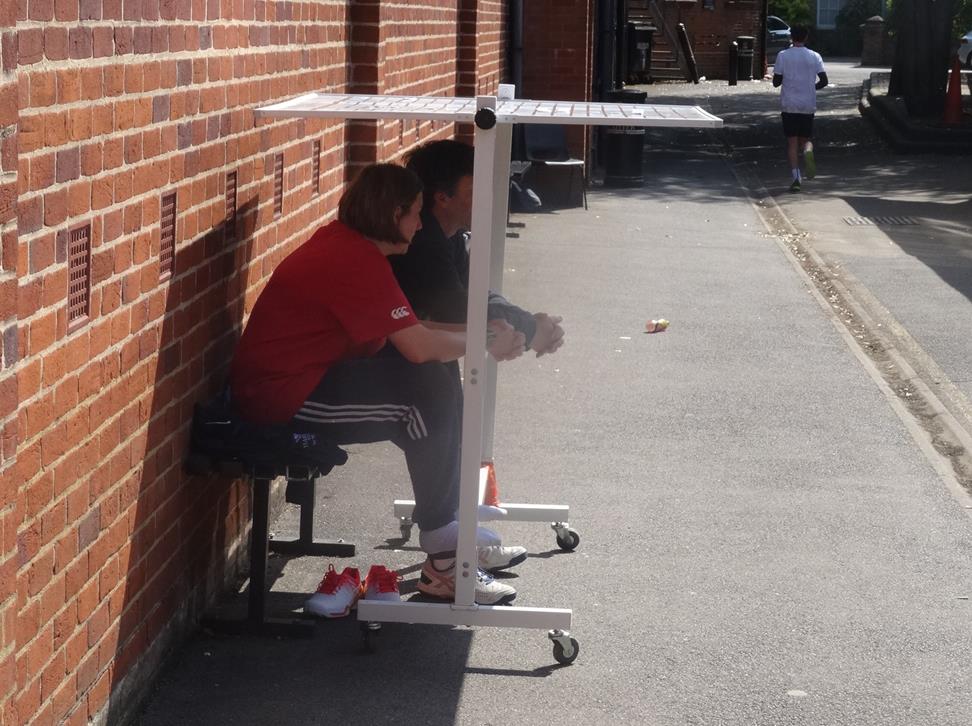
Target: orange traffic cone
[
  {"x": 491, "y": 493},
  {"x": 953, "y": 97}
]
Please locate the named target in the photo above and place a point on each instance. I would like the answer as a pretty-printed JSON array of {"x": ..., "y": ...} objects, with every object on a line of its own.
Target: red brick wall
[
  {"x": 107, "y": 549},
  {"x": 121, "y": 102},
  {"x": 9, "y": 354},
  {"x": 711, "y": 31},
  {"x": 558, "y": 53},
  {"x": 432, "y": 47}
]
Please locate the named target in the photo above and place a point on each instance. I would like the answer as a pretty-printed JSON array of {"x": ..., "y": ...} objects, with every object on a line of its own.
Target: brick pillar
[
  {"x": 365, "y": 73},
  {"x": 9, "y": 355},
  {"x": 558, "y": 55}
]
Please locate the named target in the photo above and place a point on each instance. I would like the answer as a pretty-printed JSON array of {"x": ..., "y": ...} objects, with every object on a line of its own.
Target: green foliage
[
  {"x": 794, "y": 12},
  {"x": 856, "y": 12},
  {"x": 849, "y": 19},
  {"x": 963, "y": 17}
]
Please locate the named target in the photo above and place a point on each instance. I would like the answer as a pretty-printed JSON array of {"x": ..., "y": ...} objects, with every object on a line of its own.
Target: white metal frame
[{"x": 494, "y": 118}]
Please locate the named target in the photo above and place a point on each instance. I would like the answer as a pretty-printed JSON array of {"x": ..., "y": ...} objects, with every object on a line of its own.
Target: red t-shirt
[{"x": 333, "y": 298}]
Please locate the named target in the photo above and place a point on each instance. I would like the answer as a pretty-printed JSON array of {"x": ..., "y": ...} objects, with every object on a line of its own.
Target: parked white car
[
  {"x": 777, "y": 37},
  {"x": 965, "y": 50}
]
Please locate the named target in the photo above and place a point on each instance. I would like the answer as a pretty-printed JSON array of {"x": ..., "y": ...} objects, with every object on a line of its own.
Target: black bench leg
[
  {"x": 259, "y": 541},
  {"x": 256, "y": 622},
  {"x": 304, "y": 493}
]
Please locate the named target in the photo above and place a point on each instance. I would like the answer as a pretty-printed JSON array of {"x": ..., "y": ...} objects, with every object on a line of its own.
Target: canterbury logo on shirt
[{"x": 399, "y": 313}]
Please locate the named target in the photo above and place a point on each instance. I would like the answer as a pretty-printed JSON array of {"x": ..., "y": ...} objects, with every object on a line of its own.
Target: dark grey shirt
[{"x": 434, "y": 275}]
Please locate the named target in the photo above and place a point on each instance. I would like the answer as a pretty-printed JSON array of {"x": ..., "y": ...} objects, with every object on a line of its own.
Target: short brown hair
[
  {"x": 440, "y": 165},
  {"x": 369, "y": 204}
]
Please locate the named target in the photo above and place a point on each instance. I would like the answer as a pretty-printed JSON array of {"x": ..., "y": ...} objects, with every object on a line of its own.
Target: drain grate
[{"x": 880, "y": 221}]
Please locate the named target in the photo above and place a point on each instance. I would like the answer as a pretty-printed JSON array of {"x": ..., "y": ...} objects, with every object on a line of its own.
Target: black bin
[
  {"x": 639, "y": 43},
  {"x": 624, "y": 145},
  {"x": 747, "y": 46}
]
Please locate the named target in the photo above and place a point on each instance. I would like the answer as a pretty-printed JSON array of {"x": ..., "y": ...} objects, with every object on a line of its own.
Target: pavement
[{"x": 774, "y": 524}]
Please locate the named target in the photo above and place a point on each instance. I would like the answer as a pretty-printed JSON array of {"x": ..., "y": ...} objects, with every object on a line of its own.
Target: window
[{"x": 827, "y": 12}]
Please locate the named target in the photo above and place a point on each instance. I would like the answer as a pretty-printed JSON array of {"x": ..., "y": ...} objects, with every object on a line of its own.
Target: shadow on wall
[{"x": 182, "y": 526}]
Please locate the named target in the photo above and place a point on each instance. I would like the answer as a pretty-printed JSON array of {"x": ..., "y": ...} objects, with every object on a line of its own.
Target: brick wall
[
  {"x": 107, "y": 108},
  {"x": 9, "y": 354},
  {"x": 432, "y": 47},
  {"x": 558, "y": 55},
  {"x": 711, "y": 31}
]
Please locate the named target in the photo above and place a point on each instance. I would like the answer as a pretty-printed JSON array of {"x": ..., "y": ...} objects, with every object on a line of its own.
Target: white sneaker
[
  {"x": 500, "y": 558},
  {"x": 336, "y": 595},
  {"x": 442, "y": 584},
  {"x": 382, "y": 584}
]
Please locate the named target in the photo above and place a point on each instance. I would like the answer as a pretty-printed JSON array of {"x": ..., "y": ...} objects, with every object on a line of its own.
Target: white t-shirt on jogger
[{"x": 799, "y": 67}]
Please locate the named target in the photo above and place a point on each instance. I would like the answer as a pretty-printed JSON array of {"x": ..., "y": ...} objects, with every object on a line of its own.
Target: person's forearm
[
  {"x": 501, "y": 308},
  {"x": 420, "y": 344},
  {"x": 450, "y": 327}
]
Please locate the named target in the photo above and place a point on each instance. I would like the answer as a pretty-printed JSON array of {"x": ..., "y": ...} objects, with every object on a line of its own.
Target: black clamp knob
[{"x": 485, "y": 118}]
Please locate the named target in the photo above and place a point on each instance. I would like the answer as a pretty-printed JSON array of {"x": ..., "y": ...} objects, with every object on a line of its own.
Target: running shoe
[
  {"x": 810, "y": 162},
  {"x": 498, "y": 558},
  {"x": 442, "y": 584},
  {"x": 381, "y": 584},
  {"x": 795, "y": 186},
  {"x": 337, "y": 594}
]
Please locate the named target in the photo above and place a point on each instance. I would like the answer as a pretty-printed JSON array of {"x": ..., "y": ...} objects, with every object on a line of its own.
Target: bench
[{"x": 225, "y": 446}]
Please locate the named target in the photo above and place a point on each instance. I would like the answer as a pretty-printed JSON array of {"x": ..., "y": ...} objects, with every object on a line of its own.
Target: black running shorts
[{"x": 797, "y": 124}]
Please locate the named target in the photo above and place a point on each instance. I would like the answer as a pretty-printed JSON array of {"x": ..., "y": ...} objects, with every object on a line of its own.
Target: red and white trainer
[
  {"x": 382, "y": 584},
  {"x": 337, "y": 594}
]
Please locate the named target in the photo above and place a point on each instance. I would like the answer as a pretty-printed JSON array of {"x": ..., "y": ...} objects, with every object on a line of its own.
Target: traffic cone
[
  {"x": 953, "y": 97},
  {"x": 491, "y": 493}
]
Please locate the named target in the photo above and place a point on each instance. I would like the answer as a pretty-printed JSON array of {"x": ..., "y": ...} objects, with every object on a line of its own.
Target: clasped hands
[{"x": 505, "y": 343}]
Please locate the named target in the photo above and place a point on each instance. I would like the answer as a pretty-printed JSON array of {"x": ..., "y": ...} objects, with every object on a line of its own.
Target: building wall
[
  {"x": 710, "y": 31},
  {"x": 558, "y": 53},
  {"x": 9, "y": 354},
  {"x": 108, "y": 550}
]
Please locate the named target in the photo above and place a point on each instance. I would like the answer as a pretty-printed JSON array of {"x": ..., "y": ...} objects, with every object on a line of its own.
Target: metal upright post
[
  {"x": 474, "y": 362},
  {"x": 501, "y": 198}
]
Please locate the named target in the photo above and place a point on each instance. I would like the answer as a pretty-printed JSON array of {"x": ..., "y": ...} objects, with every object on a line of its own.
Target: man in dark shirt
[{"x": 434, "y": 273}]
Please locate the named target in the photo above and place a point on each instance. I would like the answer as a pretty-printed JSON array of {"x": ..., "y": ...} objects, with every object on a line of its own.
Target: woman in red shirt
[{"x": 314, "y": 355}]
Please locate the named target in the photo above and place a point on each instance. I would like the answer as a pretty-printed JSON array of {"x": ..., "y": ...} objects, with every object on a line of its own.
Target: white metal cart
[{"x": 493, "y": 118}]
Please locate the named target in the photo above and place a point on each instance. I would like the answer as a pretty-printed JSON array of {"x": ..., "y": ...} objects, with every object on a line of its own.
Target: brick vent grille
[
  {"x": 230, "y": 220},
  {"x": 278, "y": 169},
  {"x": 79, "y": 273},
  {"x": 316, "y": 167},
  {"x": 168, "y": 235}
]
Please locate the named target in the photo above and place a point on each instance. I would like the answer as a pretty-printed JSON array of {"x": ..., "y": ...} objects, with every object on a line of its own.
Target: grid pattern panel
[
  {"x": 167, "y": 236},
  {"x": 79, "y": 273},
  {"x": 463, "y": 110}
]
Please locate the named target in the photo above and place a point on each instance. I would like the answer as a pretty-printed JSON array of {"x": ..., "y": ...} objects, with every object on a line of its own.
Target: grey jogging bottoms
[{"x": 416, "y": 406}]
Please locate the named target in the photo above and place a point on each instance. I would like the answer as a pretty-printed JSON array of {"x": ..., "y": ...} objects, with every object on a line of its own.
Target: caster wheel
[
  {"x": 568, "y": 541},
  {"x": 369, "y": 632},
  {"x": 405, "y": 527},
  {"x": 565, "y": 655}
]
